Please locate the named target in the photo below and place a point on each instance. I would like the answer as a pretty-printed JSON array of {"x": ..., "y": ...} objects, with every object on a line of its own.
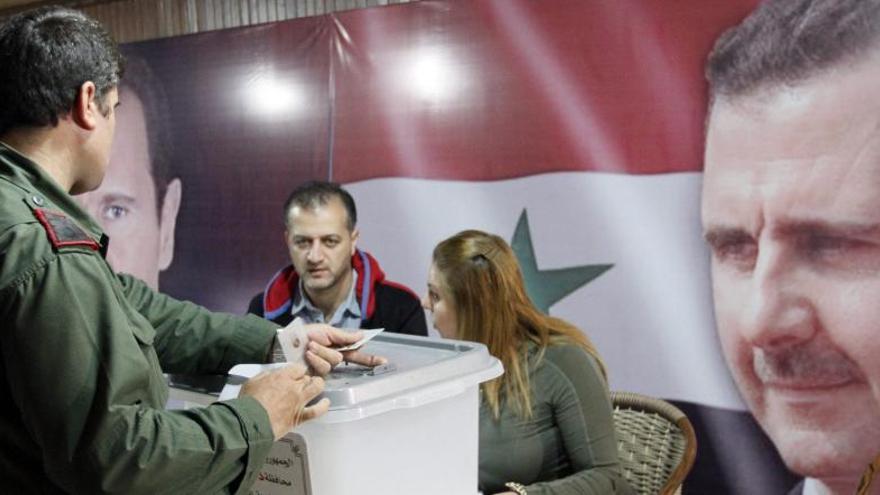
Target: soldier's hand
[
  {"x": 284, "y": 394},
  {"x": 322, "y": 357}
]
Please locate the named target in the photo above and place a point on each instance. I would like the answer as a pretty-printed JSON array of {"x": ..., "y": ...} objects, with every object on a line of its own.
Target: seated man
[{"x": 330, "y": 280}]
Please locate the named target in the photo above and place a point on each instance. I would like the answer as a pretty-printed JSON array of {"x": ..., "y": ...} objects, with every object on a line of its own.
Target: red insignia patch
[{"x": 63, "y": 231}]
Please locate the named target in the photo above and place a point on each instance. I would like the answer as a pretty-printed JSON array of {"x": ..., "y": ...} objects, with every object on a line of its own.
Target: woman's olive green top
[
  {"x": 82, "y": 353},
  {"x": 569, "y": 445}
]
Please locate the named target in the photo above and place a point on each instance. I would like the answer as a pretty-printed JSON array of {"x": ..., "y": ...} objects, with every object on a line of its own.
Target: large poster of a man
[
  {"x": 792, "y": 214},
  {"x": 139, "y": 199}
]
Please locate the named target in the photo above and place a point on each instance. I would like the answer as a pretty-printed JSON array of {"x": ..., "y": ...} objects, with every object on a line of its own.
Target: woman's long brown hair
[{"x": 480, "y": 274}]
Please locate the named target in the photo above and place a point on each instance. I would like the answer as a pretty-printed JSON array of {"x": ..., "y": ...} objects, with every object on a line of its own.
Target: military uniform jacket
[{"x": 83, "y": 350}]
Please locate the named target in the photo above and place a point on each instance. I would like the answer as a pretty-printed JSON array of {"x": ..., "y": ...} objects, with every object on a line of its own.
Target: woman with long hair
[{"x": 546, "y": 425}]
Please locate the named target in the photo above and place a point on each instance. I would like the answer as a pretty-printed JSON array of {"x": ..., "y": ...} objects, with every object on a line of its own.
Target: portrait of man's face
[
  {"x": 791, "y": 211},
  {"x": 141, "y": 230}
]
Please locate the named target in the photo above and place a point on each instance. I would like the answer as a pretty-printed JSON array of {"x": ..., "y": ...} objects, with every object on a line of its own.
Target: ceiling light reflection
[
  {"x": 431, "y": 75},
  {"x": 268, "y": 95}
]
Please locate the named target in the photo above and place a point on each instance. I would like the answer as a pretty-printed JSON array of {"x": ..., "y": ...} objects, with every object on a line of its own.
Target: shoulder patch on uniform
[{"x": 64, "y": 232}]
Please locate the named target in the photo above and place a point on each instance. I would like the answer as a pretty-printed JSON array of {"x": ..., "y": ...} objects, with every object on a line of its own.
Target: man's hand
[
  {"x": 284, "y": 394},
  {"x": 321, "y": 356}
]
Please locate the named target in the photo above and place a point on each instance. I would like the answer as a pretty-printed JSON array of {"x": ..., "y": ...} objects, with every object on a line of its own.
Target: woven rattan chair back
[{"x": 655, "y": 442}]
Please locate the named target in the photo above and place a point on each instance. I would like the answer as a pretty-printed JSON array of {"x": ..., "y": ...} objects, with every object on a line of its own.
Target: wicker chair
[{"x": 655, "y": 442}]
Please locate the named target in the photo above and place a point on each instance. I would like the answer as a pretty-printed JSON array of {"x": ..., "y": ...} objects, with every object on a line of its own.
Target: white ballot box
[{"x": 408, "y": 427}]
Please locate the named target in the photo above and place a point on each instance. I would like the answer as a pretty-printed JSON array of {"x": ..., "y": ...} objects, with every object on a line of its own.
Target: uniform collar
[{"x": 40, "y": 190}]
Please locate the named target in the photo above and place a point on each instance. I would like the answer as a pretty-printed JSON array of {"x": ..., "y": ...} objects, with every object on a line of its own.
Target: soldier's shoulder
[
  {"x": 24, "y": 249},
  {"x": 22, "y": 238},
  {"x": 14, "y": 208},
  {"x": 31, "y": 237}
]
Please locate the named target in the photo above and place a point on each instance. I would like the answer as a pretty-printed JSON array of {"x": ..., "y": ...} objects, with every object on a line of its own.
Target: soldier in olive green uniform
[{"x": 83, "y": 348}]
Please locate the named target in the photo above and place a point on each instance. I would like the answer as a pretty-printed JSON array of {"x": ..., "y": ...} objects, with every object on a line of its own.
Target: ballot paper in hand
[
  {"x": 294, "y": 337},
  {"x": 368, "y": 336},
  {"x": 293, "y": 340}
]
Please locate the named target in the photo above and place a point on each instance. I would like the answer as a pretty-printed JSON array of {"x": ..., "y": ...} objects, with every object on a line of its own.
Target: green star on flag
[{"x": 547, "y": 287}]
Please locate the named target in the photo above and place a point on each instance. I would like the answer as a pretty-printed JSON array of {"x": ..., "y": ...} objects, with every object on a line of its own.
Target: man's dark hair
[
  {"x": 318, "y": 193},
  {"x": 46, "y": 55},
  {"x": 140, "y": 80},
  {"x": 784, "y": 42}
]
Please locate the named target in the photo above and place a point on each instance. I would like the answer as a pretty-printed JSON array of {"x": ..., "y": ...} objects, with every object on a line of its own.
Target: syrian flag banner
[{"x": 572, "y": 129}]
